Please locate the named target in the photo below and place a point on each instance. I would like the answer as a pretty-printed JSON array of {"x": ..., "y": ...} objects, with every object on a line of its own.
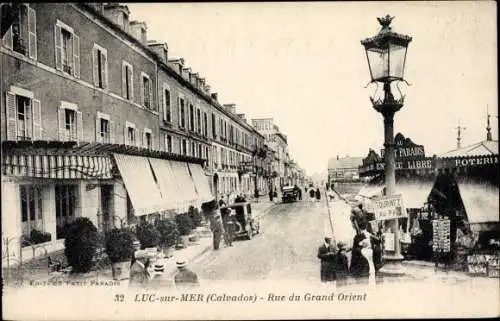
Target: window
[
  {"x": 193, "y": 150},
  {"x": 182, "y": 113},
  {"x": 104, "y": 129},
  {"x": 146, "y": 91},
  {"x": 31, "y": 209},
  {"x": 70, "y": 122},
  {"x": 130, "y": 134},
  {"x": 66, "y": 196},
  {"x": 147, "y": 138},
  {"x": 191, "y": 117},
  {"x": 127, "y": 81},
  {"x": 214, "y": 123},
  {"x": 21, "y": 36},
  {"x": 23, "y": 115},
  {"x": 198, "y": 120},
  {"x": 67, "y": 49},
  {"x": 205, "y": 125},
  {"x": 167, "y": 108},
  {"x": 168, "y": 143},
  {"x": 100, "y": 66},
  {"x": 200, "y": 152},
  {"x": 184, "y": 147}
]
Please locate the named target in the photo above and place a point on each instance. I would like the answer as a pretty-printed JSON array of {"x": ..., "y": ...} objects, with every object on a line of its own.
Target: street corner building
[{"x": 98, "y": 122}]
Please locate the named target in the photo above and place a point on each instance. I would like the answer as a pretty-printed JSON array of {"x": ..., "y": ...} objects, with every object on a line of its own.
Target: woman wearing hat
[{"x": 342, "y": 264}]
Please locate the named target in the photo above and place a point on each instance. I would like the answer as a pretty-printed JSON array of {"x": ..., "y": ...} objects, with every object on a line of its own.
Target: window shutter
[
  {"x": 111, "y": 132},
  {"x": 162, "y": 101},
  {"x": 125, "y": 135},
  {"x": 141, "y": 87},
  {"x": 152, "y": 106},
  {"x": 29, "y": 120},
  {"x": 143, "y": 139},
  {"x": 37, "y": 120},
  {"x": 32, "y": 33},
  {"x": 104, "y": 61},
  {"x": 124, "y": 83},
  {"x": 11, "y": 111},
  {"x": 62, "y": 124},
  {"x": 95, "y": 67},
  {"x": 179, "y": 110},
  {"x": 58, "y": 45},
  {"x": 76, "y": 55},
  {"x": 131, "y": 83},
  {"x": 79, "y": 124},
  {"x": 98, "y": 137},
  {"x": 7, "y": 39}
]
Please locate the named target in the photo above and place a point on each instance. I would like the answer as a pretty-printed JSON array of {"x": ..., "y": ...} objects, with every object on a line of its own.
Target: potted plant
[
  {"x": 120, "y": 250},
  {"x": 169, "y": 235},
  {"x": 148, "y": 235},
  {"x": 185, "y": 225},
  {"x": 80, "y": 245}
]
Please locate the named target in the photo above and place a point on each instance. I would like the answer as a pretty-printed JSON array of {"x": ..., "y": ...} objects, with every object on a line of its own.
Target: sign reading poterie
[{"x": 388, "y": 207}]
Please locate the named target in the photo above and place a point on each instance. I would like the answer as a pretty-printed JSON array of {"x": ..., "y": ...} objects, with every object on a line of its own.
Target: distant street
[{"x": 285, "y": 249}]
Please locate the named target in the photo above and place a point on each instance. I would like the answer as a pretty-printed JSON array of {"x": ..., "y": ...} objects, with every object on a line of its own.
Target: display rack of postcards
[
  {"x": 484, "y": 265},
  {"x": 441, "y": 243}
]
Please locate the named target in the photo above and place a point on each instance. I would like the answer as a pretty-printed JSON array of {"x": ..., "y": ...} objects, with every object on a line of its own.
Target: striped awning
[
  {"x": 57, "y": 166},
  {"x": 185, "y": 183},
  {"x": 201, "y": 182},
  {"x": 142, "y": 188}
]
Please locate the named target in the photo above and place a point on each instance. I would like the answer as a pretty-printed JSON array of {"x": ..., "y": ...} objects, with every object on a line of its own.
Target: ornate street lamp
[{"x": 386, "y": 55}]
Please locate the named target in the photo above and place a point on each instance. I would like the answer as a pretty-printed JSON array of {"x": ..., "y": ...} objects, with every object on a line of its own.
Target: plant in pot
[
  {"x": 169, "y": 235},
  {"x": 185, "y": 226},
  {"x": 197, "y": 219},
  {"x": 148, "y": 235},
  {"x": 120, "y": 250},
  {"x": 80, "y": 245}
]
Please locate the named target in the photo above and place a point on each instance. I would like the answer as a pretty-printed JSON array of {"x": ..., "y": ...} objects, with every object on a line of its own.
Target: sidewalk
[{"x": 36, "y": 270}]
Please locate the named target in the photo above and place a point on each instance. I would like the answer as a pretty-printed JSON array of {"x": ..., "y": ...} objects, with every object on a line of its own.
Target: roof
[
  {"x": 480, "y": 201},
  {"x": 485, "y": 147},
  {"x": 345, "y": 162}
]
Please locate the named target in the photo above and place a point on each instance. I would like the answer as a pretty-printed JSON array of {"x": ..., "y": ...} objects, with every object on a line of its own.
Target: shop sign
[
  {"x": 441, "y": 235},
  {"x": 388, "y": 207},
  {"x": 423, "y": 163},
  {"x": 407, "y": 152},
  {"x": 469, "y": 161}
]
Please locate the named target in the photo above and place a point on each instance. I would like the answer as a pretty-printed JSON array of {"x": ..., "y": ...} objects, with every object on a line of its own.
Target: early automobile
[
  {"x": 290, "y": 194},
  {"x": 246, "y": 225}
]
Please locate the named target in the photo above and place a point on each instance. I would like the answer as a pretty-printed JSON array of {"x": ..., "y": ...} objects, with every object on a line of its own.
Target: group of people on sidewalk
[
  {"x": 223, "y": 222},
  {"x": 366, "y": 252}
]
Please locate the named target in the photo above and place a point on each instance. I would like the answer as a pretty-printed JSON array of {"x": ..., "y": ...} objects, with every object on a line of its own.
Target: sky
[{"x": 302, "y": 63}]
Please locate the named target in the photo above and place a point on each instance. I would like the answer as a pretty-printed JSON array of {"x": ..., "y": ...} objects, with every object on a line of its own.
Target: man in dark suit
[{"x": 326, "y": 253}]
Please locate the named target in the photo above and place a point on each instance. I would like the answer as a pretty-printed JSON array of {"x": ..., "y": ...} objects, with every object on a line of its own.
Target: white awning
[
  {"x": 480, "y": 201},
  {"x": 369, "y": 191},
  {"x": 185, "y": 183},
  {"x": 171, "y": 195},
  {"x": 201, "y": 183},
  {"x": 141, "y": 186},
  {"x": 414, "y": 192}
]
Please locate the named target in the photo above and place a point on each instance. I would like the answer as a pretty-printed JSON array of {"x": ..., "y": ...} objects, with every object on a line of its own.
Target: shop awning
[
  {"x": 171, "y": 195},
  {"x": 140, "y": 183},
  {"x": 480, "y": 201},
  {"x": 201, "y": 183},
  {"x": 414, "y": 192},
  {"x": 185, "y": 183}
]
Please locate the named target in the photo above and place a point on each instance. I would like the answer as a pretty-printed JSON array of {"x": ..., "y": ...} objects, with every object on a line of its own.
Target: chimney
[
  {"x": 230, "y": 108},
  {"x": 118, "y": 14},
  {"x": 207, "y": 89},
  {"x": 202, "y": 83},
  {"x": 161, "y": 49},
  {"x": 214, "y": 96},
  {"x": 178, "y": 65},
  {"x": 138, "y": 29}
]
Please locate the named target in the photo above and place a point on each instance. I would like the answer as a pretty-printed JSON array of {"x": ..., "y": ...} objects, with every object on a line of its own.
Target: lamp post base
[{"x": 392, "y": 265}]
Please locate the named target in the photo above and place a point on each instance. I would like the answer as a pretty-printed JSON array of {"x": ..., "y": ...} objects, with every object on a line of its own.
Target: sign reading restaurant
[{"x": 388, "y": 207}]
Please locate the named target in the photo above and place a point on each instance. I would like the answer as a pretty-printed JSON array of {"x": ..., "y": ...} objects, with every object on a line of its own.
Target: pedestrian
[
  {"x": 185, "y": 278},
  {"x": 217, "y": 230},
  {"x": 228, "y": 237},
  {"x": 342, "y": 264},
  {"x": 271, "y": 194},
  {"x": 326, "y": 253},
  {"x": 312, "y": 194},
  {"x": 138, "y": 270},
  {"x": 318, "y": 194}
]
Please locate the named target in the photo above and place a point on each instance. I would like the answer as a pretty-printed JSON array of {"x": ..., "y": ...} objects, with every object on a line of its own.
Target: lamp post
[{"x": 386, "y": 55}]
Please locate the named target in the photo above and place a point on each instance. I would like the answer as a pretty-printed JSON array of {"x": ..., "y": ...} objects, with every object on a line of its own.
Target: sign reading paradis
[{"x": 410, "y": 156}]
